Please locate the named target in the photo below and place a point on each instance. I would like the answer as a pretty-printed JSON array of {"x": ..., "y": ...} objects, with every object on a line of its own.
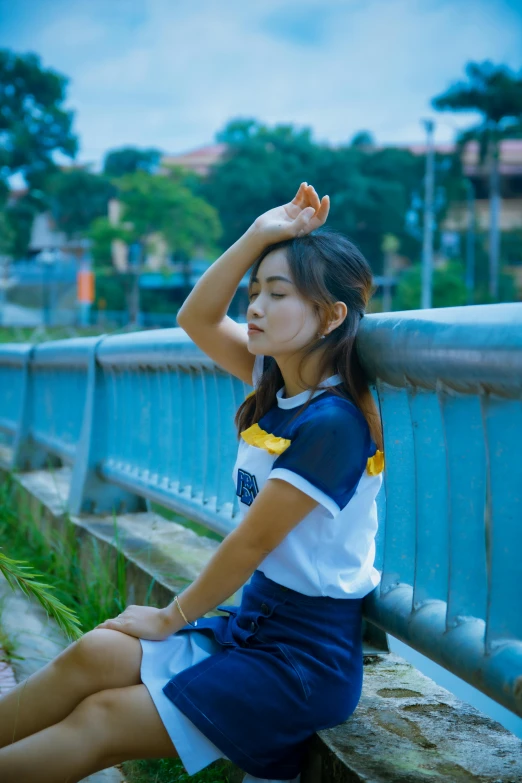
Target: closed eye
[{"x": 277, "y": 296}]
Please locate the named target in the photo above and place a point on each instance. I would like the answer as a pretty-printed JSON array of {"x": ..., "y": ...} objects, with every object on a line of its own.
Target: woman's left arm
[{"x": 277, "y": 509}]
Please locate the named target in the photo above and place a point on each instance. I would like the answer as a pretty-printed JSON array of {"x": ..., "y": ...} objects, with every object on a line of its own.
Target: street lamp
[
  {"x": 427, "y": 244},
  {"x": 470, "y": 240},
  {"x": 5, "y": 283}
]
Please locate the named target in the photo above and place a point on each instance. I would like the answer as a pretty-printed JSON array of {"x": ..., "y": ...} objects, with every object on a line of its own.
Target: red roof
[{"x": 199, "y": 160}]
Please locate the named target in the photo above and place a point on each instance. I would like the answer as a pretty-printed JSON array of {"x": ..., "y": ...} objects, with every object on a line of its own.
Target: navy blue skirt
[{"x": 289, "y": 665}]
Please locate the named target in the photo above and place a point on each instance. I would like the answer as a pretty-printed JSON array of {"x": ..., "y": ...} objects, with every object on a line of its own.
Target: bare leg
[
  {"x": 105, "y": 729},
  {"x": 101, "y": 659}
]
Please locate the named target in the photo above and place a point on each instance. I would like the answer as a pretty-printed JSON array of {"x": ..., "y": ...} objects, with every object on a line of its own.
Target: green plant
[{"x": 22, "y": 576}]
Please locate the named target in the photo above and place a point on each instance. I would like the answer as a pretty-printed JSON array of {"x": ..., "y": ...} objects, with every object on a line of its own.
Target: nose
[{"x": 253, "y": 309}]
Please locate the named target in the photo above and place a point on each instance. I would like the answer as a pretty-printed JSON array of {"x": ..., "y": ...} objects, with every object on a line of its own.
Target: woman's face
[{"x": 288, "y": 321}]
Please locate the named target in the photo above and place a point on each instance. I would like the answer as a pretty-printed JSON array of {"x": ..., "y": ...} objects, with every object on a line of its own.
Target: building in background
[{"x": 199, "y": 160}]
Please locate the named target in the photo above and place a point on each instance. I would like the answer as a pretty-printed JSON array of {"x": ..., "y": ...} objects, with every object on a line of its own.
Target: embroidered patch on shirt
[{"x": 246, "y": 487}]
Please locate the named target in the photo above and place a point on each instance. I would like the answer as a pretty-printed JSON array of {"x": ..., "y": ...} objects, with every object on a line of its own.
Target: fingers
[
  {"x": 111, "y": 622},
  {"x": 301, "y": 223},
  {"x": 322, "y": 212},
  {"x": 300, "y": 196},
  {"x": 314, "y": 211},
  {"x": 313, "y": 198}
]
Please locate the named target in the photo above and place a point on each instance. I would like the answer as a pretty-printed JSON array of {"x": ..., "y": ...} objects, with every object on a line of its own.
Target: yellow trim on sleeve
[
  {"x": 375, "y": 464},
  {"x": 255, "y": 436}
]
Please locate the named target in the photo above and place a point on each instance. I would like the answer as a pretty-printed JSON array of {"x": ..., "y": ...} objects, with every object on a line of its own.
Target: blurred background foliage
[{"x": 376, "y": 191}]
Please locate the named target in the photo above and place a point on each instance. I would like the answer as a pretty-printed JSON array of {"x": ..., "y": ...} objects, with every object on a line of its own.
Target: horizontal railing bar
[
  {"x": 73, "y": 352},
  {"x": 57, "y": 446},
  {"x": 14, "y": 354},
  {"x": 220, "y": 522},
  {"x": 156, "y": 348},
  {"x": 469, "y": 349}
]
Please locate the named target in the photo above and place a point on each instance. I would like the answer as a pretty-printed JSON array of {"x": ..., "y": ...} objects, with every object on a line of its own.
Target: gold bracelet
[{"x": 182, "y": 613}]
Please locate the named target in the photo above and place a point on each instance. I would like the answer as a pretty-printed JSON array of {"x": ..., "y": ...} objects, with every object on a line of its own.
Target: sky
[{"x": 171, "y": 73}]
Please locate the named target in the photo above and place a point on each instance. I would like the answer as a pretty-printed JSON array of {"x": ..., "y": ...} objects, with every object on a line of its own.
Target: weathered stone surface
[{"x": 407, "y": 728}]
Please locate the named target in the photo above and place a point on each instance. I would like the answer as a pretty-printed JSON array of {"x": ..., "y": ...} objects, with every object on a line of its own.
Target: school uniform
[{"x": 253, "y": 685}]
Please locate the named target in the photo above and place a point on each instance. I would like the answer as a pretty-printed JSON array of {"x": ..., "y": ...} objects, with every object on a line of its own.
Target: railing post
[
  {"x": 89, "y": 492},
  {"x": 27, "y": 454}
]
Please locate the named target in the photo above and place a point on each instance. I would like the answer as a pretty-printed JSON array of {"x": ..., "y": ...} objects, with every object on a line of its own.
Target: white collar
[{"x": 302, "y": 397}]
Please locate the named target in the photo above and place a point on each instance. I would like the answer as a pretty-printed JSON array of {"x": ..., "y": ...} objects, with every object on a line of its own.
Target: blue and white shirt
[{"x": 328, "y": 453}]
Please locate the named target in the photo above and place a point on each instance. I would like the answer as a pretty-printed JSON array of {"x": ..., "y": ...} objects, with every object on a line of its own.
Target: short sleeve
[
  {"x": 327, "y": 455},
  {"x": 257, "y": 372}
]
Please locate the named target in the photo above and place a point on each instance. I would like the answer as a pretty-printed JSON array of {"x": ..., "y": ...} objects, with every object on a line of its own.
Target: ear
[{"x": 341, "y": 312}]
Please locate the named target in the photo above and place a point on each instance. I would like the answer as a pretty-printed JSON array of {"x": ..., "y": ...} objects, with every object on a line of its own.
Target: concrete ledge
[{"x": 406, "y": 728}]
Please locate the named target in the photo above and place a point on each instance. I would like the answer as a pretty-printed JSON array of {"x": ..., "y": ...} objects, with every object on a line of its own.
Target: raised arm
[{"x": 203, "y": 315}]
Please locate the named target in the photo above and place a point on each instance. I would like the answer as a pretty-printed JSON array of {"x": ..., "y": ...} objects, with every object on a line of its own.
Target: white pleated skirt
[{"x": 160, "y": 662}]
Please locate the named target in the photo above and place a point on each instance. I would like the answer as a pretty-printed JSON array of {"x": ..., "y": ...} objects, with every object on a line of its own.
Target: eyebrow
[{"x": 273, "y": 277}]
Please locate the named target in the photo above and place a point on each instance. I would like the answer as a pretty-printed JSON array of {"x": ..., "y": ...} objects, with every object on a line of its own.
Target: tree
[
  {"x": 155, "y": 207},
  {"x": 370, "y": 188},
  {"x": 33, "y": 121},
  {"x": 449, "y": 289},
  {"x": 19, "y": 217},
  {"x": 128, "y": 160},
  {"x": 158, "y": 204},
  {"x": 363, "y": 139},
  {"x": 102, "y": 234},
  {"x": 76, "y": 197},
  {"x": 260, "y": 168},
  {"x": 496, "y": 93}
]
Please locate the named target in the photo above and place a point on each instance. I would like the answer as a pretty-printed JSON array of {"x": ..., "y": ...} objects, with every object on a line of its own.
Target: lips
[{"x": 254, "y": 329}]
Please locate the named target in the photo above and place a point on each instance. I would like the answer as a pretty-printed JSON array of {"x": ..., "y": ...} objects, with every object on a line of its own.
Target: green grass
[
  {"x": 94, "y": 596},
  {"x": 38, "y": 334},
  {"x": 171, "y": 771}
]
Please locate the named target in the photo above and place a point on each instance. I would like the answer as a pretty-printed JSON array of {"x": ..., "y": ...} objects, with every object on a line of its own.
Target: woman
[{"x": 252, "y": 685}]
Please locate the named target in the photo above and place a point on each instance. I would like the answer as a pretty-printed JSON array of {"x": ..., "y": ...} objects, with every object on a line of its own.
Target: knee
[
  {"x": 94, "y": 717},
  {"x": 93, "y": 651}
]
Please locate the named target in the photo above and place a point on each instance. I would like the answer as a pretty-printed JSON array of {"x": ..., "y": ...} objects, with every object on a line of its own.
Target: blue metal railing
[
  {"x": 14, "y": 359},
  {"x": 147, "y": 416}
]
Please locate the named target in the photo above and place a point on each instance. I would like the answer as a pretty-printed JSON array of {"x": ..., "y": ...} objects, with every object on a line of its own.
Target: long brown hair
[{"x": 326, "y": 268}]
